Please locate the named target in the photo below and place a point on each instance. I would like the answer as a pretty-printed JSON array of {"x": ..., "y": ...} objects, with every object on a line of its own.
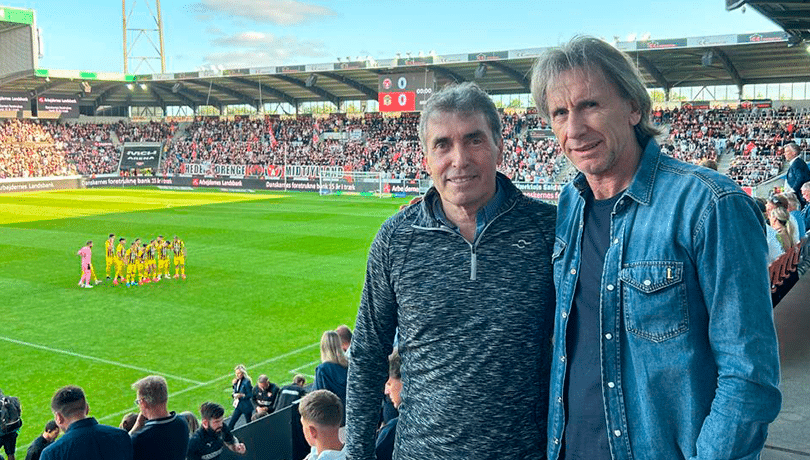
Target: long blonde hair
[
  {"x": 785, "y": 233},
  {"x": 243, "y": 370},
  {"x": 331, "y": 349}
]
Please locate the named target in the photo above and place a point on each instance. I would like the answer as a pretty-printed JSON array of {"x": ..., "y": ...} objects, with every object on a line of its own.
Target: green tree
[{"x": 658, "y": 96}]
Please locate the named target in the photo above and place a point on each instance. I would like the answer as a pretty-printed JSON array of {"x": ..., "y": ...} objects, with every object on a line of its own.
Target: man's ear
[
  {"x": 60, "y": 420},
  {"x": 635, "y": 113},
  {"x": 313, "y": 431}
]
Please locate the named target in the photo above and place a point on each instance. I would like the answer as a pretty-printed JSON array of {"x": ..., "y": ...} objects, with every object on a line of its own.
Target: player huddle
[{"x": 142, "y": 262}]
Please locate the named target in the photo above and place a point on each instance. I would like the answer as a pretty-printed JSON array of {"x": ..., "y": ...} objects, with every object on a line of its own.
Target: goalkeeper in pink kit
[{"x": 87, "y": 256}]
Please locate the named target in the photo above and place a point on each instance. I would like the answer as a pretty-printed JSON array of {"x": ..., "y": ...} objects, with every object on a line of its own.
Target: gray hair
[
  {"x": 793, "y": 201},
  {"x": 792, "y": 146},
  {"x": 806, "y": 186},
  {"x": 465, "y": 98},
  {"x": 589, "y": 53},
  {"x": 152, "y": 390}
]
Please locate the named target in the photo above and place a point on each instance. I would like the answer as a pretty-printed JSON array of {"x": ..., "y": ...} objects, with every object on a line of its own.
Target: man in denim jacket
[{"x": 665, "y": 346}]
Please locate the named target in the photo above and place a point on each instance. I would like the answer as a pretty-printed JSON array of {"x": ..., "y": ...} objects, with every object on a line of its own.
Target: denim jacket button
[
  {"x": 564, "y": 315},
  {"x": 611, "y": 384},
  {"x": 610, "y": 287},
  {"x": 562, "y": 358},
  {"x": 559, "y": 399},
  {"x": 615, "y": 241},
  {"x": 556, "y": 441},
  {"x": 617, "y": 433},
  {"x": 608, "y": 336},
  {"x": 573, "y": 271},
  {"x": 647, "y": 282}
]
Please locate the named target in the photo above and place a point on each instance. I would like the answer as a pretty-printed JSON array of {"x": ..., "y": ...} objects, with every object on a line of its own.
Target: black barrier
[{"x": 268, "y": 438}]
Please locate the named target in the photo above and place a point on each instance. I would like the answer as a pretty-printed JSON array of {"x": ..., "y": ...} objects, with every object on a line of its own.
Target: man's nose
[
  {"x": 575, "y": 125},
  {"x": 459, "y": 155}
]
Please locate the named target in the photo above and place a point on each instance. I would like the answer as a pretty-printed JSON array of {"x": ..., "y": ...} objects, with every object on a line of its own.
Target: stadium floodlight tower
[{"x": 137, "y": 40}]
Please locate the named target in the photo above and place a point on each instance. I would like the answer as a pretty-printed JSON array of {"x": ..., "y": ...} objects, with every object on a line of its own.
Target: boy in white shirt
[{"x": 321, "y": 414}]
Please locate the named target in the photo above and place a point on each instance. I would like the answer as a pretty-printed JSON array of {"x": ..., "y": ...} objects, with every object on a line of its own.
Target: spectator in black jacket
[
  {"x": 264, "y": 396},
  {"x": 44, "y": 440},
  {"x": 291, "y": 393}
]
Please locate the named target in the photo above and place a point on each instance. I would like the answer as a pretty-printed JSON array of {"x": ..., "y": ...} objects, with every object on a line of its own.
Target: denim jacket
[{"x": 689, "y": 357}]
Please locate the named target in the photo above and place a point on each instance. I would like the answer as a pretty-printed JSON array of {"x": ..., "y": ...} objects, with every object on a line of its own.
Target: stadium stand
[{"x": 752, "y": 137}]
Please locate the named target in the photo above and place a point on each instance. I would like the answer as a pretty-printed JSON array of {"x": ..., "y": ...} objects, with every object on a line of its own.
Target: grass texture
[{"x": 267, "y": 274}]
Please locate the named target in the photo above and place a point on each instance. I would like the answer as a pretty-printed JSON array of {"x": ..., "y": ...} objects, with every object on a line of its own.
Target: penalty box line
[
  {"x": 100, "y": 360},
  {"x": 223, "y": 377}
]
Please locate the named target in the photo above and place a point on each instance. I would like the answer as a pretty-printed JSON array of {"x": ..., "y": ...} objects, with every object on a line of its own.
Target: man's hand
[
  {"x": 139, "y": 423},
  {"x": 237, "y": 447}
]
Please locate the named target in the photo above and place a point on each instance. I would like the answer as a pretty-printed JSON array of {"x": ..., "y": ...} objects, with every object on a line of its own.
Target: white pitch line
[
  {"x": 226, "y": 376},
  {"x": 100, "y": 360},
  {"x": 293, "y": 371}
]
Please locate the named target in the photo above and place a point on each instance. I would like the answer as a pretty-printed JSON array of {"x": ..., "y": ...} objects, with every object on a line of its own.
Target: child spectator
[{"x": 321, "y": 415}]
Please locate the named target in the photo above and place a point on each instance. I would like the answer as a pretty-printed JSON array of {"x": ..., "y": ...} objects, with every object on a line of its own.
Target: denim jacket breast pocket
[{"x": 654, "y": 298}]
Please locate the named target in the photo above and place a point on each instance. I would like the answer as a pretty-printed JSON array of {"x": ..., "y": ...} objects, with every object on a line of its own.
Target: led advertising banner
[
  {"x": 14, "y": 102},
  {"x": 66, "y": 107},
  {"x": 140, "y": 156}
]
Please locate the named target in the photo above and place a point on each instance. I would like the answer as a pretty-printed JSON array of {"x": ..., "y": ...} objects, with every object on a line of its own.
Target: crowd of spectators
[
  {"x": 372, "y": 143},
  {"x": 152, "y": 131},
  {"x": 753, "y": 136},
  {"x": 44, "y": 148},
  {"x": 379, "y": 143},
  {"x": 28, "y": 150}
]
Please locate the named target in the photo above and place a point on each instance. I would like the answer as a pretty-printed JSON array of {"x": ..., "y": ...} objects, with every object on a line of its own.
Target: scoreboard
[{"x": 405, "y": 92}]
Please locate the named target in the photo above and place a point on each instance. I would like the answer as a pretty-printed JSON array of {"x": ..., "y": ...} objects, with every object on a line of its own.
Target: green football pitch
[{"x": 267, "y": 274}]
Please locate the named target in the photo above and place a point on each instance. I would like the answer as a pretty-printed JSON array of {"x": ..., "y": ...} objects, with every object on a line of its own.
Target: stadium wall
[
  {"x": 545, "y": 192},
  {"x": 40, "y": 184}
]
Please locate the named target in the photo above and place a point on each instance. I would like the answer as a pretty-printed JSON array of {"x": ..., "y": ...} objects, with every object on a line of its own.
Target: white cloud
[
  {"x": 252, "y": 49},
  {"x": 211, "y": 30},
  {"x": 281, "y": 12}
]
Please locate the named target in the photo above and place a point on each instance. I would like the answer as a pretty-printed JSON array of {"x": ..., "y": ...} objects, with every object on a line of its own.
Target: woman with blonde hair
[
  {"x": 242, "y": 392},
  {"x": 780, "y": 221},
  {"x": 332, "y": 372}
]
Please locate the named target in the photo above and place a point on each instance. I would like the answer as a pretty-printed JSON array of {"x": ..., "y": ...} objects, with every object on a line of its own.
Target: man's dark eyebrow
[
  {"x": 587, "y": 102},
  {"x": 440, "y": 139},
  {"x": 474, "y": 134}
]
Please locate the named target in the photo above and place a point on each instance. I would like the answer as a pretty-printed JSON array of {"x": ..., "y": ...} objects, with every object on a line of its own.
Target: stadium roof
[
  {"x": 738, "y": 59},
  {"x": 793, "y": 16}
]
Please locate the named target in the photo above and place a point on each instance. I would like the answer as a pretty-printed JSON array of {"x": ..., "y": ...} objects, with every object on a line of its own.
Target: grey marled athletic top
[{"x": 475, "y": 323}]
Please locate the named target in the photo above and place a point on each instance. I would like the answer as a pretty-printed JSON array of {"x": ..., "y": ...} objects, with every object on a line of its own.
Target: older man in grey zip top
[{"x": 465, "y": 278}]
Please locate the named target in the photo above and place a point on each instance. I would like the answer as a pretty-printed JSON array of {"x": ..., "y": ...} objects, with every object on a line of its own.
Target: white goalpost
[{"x": 338, "y": 182}]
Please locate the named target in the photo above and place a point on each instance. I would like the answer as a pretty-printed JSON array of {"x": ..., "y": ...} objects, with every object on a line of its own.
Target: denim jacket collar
[{"x": 641, "y": 187}]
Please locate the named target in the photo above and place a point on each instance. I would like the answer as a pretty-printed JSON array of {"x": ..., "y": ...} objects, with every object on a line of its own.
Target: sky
[{"x": 87, "y": 34}]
